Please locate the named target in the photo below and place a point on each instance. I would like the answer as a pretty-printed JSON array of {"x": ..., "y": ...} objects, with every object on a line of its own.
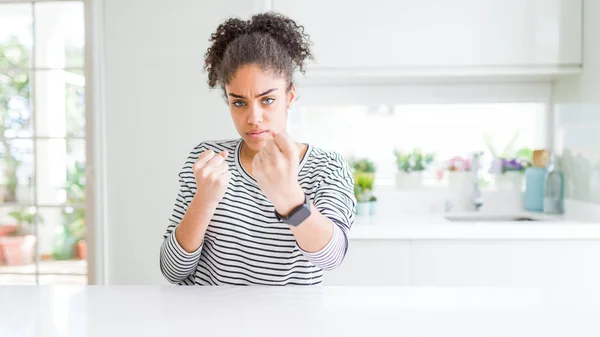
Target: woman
[{"x": 262, "y": 209}]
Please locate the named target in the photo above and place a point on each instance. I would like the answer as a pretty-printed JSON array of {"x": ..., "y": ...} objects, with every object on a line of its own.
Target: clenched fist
[
  {"x": 212, "y": 177},
  {"x": 275, "y": 168}
]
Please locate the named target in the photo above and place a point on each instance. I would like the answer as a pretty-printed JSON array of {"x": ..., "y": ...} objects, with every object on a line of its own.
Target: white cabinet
[
  {"x": 431, "y": 34},
  {"x": 470, "y": 263},
  {"x": 505, "y": 263},
  {"x": 372, "y": 262}
]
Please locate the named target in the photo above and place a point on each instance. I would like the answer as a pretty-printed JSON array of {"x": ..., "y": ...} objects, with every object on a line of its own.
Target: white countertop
[
  {"x": 437, "y": 227},
  {"x": 27, "y": 311}
]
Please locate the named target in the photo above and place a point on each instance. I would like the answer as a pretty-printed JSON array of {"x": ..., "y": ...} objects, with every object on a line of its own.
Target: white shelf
[{"x": 317, "y": 75}]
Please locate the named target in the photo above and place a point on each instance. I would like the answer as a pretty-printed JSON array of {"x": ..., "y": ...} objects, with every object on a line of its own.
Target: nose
[{"x": 255, "y": 114}]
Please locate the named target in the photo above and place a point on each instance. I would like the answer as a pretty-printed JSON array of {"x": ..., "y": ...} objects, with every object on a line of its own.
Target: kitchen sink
[{"x": 488, "y": 217}]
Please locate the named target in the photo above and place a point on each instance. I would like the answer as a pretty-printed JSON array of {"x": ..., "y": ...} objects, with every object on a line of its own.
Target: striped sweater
[{"x": 244, "y": 243}]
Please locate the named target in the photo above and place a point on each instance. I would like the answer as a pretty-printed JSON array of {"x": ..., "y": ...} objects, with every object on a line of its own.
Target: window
[
  {"x": 444, "y": 121},
  {"x": 42, "y": 143}
]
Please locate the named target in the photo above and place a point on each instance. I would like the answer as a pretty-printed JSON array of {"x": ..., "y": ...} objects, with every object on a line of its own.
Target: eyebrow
[{"x": 264, "y": 93}]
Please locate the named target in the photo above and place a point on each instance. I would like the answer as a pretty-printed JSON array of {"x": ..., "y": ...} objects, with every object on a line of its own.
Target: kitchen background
[{"x": 101, "y": 102}]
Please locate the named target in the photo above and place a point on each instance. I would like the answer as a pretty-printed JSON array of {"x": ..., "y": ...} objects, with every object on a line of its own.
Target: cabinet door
[
  {"x": 439, "y": 33},
  {"x": 505, "y": 263},
  {"x": 372, "y": 263}
]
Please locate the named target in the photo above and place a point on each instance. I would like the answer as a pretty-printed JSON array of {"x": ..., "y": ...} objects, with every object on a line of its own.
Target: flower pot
[
  {"x": 372, "y": 207},
  {"x": 363, "y": 208},
  {"x": 409, "y": 180},
  {"x": 510, "y": 180},
  {"x": 18, "y": 250},
  {"x": 4, "y": 231},
  {"x": 81, "y": 249},
  {"x": 460, "y": 185}
]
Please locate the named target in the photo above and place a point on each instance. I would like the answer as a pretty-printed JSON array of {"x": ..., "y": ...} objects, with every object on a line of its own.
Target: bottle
[
  {"x": 554, "y": 188},
  {"x": 535, "y": 177}
]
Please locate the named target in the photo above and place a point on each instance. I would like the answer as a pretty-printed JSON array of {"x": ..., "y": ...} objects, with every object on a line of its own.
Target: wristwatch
[{"x": 297, "y": 215}]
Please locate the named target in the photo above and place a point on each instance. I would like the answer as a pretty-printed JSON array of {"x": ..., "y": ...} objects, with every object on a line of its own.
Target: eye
[
  {"x": 268, "y": 100},
  {"x": 239, "y": 104}
]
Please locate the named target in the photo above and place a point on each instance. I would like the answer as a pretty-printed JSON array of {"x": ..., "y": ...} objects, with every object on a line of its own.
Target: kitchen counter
[
  {"x": 148, "y": 311},
  {"x": 437, "y": 227}
]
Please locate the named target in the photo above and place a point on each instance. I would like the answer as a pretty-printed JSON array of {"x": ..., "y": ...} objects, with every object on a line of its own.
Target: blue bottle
[
  {"x": 535, "y": 178},
  {"x": 554, "y": 188}
]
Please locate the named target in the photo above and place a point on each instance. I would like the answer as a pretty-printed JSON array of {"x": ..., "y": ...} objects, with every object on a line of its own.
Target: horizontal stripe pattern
[{"x": 244, "y": 243}]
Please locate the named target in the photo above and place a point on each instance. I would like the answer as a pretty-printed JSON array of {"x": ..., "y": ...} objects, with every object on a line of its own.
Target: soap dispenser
[
  {"x": 554, "y": 188},
  {"x": 535, "y": 178}
]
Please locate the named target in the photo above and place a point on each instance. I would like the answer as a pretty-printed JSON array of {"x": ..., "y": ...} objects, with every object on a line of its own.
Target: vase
[
  {"x": 510, "y": 180},
  {"x": 372, "y": 207},
  {"x": 409, "y": 180},
  {"x": 460, "y": 186},
  {"x": 363, "y": 208}
]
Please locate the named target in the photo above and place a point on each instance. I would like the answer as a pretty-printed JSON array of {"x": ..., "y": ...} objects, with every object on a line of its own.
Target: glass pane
[
  {"x": 16, "y": 279},
  {"x": 60, "y": 171},
  {"x": 60, "y": 103},
  {"x": 17, "y": 239},
  {"x": 15, "y": 103},
  {"x": 16, "y": 37},
  {"x": 63, "y": 279},
  {"x": 16, "y": 171},
  {"x": 62, "y": 246},
  {"x": 444, "y": 131},
  {"x": 59, "y": 34}
]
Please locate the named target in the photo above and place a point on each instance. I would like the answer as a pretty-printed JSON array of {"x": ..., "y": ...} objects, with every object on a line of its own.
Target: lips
[{"x": 257, "y": 134}]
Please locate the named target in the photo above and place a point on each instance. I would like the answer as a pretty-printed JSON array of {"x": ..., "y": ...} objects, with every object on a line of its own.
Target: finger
[
  {"x": 285, "y": 143},
  {"x": 203, "y": 158},
  {"x": 272, "y": 149},
  {"x": 224, "y": 178},
  {"x": 224, "y": 154},
  {"x": 256, "y": 163},
  {"x": 222, "y": 168},
  {"x": 215, "y": 161}
]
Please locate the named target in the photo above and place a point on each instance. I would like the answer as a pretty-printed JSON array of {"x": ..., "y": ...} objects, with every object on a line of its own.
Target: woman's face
[{"x": 258, "y": 102}]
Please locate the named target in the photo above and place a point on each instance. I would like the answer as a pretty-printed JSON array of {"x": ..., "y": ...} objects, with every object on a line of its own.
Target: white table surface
[{"x": 297, "y": 311}]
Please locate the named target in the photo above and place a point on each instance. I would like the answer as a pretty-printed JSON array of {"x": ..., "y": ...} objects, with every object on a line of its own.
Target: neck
[{"x": 247, "y": 153}]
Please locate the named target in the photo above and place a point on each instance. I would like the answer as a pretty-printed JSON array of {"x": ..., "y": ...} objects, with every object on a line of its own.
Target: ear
[{"x": 291, "y": 96}]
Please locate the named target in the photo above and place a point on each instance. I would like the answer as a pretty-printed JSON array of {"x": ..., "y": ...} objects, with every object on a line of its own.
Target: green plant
[
  {"x": 75, "y": 188},
  {"x": 363, "y": 185},
  {"x": 363, "y": 165},
  {"x": 413, "y": 161},
  {"x": 14, "y": 109},
  {"x": 25, "y": 217}
]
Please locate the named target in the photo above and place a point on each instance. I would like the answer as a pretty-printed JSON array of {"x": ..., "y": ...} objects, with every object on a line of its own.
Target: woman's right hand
[{"x": 212, "y": 177}]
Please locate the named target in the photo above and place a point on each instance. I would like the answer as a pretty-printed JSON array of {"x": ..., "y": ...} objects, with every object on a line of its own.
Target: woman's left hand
[{"x": 275, "y": 168}]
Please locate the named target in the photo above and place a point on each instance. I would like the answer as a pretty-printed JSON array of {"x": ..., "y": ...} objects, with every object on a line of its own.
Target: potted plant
[
  {"x": 410, "y": 167},
  {"x": 76, "y": 230},
  {"x": 363, "y": 191},
  {"x": 18, "y": 245},
  {"x": 75, "y": 219},
  {"x": 372, "y": 205},
  {"x": 364, "y": 178}
]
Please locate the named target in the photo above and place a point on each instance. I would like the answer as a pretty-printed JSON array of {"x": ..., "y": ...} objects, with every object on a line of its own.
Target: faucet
[{"x": 476, "y": 199}]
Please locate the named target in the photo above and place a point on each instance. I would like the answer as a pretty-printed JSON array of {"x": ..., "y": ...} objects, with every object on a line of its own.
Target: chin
[{"x": 254, "y": 144}]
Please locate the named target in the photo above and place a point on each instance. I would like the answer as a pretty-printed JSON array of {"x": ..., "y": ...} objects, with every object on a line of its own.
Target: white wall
[
  {"x": 158, "y": 107},
  {"x": 578, "y": 116}
]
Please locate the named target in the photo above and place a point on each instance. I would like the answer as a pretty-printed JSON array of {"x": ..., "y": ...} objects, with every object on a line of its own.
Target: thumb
[{"x": 224, "y": 154}]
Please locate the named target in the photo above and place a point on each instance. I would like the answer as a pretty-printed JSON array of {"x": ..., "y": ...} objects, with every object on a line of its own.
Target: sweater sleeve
[
  {"x": 176, "y": 264},
  {"x": 334, "y": 198}
]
